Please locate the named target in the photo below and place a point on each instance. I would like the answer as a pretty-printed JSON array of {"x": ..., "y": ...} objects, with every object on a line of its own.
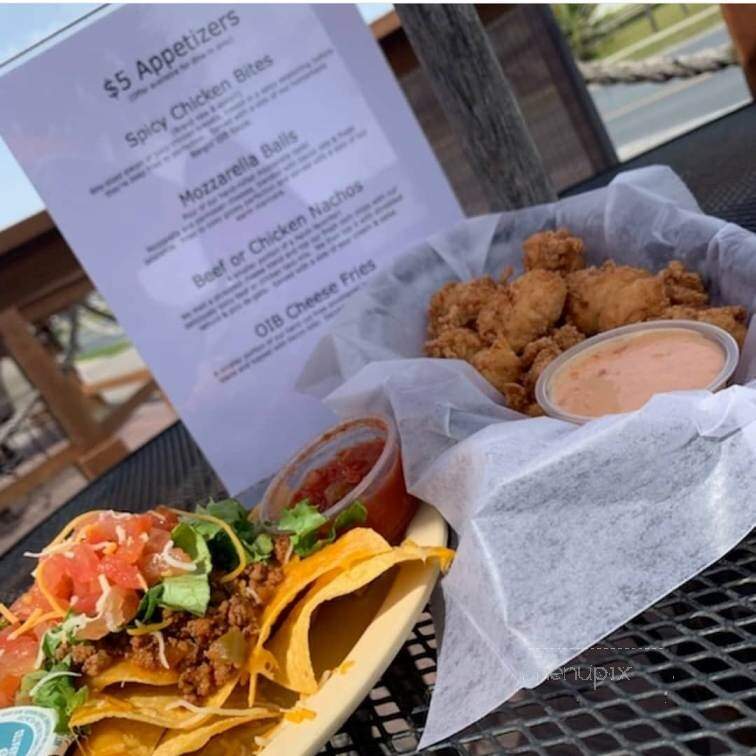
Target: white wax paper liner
[{"x": 564, "y": 532}]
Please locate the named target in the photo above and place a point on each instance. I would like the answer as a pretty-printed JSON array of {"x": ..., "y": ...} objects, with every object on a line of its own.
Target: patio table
[{"x": 682, "y": 674}]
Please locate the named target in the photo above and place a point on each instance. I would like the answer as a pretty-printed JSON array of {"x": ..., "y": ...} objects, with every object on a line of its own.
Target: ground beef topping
[{"x": 205, "y": 651}]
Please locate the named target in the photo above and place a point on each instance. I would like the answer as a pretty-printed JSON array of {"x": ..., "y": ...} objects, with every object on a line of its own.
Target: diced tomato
[
  {"x": 155, "y": 568},
  {"x": 129, "y": 605},
  {"x": 18, "y": 657},
  {"x": 122, "y": 573},
  {"x": 119, "y": 609},
  {"x": 85, "y": 595},
  {"x": 84, "y": 565},
  {"x": 157, "y": 540},
  {"x": 25, "y": 604},
  {"x": 101, "y": 530},
  {"x": 131, "y": 550},
  {"x": 163, "y": 518},
  {"x": 9, "y": 685},
  {"x": 55, "y": 572}
]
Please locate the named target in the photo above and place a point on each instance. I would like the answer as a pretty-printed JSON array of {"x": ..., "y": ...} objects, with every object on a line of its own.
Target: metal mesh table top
[{"x": 678, "y": 678}]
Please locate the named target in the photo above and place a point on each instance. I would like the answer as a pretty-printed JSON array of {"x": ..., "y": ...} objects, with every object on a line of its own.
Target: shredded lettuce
[
  {"x": 188, "y": 592},
  {"x": 52, "y": 690},
  {"x": 149, "y": 603},
  {"x": 190, "y": 539},
  {"x": 305, "y": 523},
  {"x": 65, "y": 632},
  {"x": 209, "y": 547},
  {"x": 258, "y": 545}
]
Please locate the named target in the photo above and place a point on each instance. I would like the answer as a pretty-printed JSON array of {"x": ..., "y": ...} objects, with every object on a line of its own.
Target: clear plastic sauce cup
[
  {"x": 544, "y": 387},
  {"x": 381, "y": 488}
]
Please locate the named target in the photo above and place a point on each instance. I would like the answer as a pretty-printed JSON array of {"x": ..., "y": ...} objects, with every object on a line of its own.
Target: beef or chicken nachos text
[
  {"x": 511, "y": 329},
  {"x": 186, "y": 624}
]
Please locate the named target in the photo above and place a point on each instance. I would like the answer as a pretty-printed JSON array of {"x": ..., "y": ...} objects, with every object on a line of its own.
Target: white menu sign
[{"x": 228, "y": 176}]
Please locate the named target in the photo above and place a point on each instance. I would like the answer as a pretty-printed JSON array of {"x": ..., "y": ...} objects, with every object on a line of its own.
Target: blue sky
[{"x": 22, "y": 26}]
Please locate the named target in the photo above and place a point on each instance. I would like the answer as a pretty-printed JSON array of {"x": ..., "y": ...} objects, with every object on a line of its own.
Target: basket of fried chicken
[{"x": 510, "y": 329}]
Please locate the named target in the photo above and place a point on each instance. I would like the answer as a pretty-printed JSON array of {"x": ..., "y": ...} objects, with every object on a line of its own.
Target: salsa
[
  {"x": 325, "y": 486},
  {"x": 363, "y": 464}
]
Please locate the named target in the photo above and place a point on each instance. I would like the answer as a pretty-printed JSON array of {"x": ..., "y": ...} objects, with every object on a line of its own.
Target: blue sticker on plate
[{"x": 28, "y": 731}]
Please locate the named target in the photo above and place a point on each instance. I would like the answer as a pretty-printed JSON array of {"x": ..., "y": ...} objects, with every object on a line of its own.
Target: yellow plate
[{"x": 361, "y": 642}]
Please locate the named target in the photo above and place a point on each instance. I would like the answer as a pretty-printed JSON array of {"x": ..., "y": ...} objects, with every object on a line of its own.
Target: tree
[{"x": 579, "y": 24}]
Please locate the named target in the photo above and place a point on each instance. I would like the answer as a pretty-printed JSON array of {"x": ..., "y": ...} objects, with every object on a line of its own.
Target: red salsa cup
[{"x": 356, "y": 460}]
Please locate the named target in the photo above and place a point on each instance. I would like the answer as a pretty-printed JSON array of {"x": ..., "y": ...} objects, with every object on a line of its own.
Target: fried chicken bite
[
  {"x": 517, "y": 397},
  {"x": 524, "y": 310},
  {"x": 455, "y": 343},
  {"x": 567, "y": 336},
  {"x": 534, "y": 410},
  {"x": 539, "y": 353},
  {"x": 731, "y": 318},
  {"x": 557, "y": 251},
  {"x": 683, "y": 287},
  {"x": 457, "y": 303},
  {"x": 498, "y": 364},
  {"x": 540, "y": 361},
  {"x": 611, "y": 296}
]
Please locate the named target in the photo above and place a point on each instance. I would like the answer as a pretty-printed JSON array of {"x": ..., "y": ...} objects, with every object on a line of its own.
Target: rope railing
[{"x": 659, "y": 69}]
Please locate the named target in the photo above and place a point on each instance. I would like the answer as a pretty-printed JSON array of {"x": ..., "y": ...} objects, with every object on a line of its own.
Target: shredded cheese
[
  {"x": 120, "y": 533},
  {"x": 161, "y": 648},
  {"x": 250, "y": 591},
  {"x": 289, "y": 552},
  {"x": 73, "y": 525},
  {"x": 297, "y": 716},
  {"x": 171, "y": 560},
  {"x": 8, "y": 614},
  {"x": 102, "y": 600},
  {"x": 51, "y": 676},
  {"x": 145, "y": 629},
  {"x": 26, "y": 625},
  {"x": 221, "y": 712},
  {"x": 36, "y": 618},
  {"x": 229, "y": 531},
  {"x": 45, "y": 592},
  {"x": 48, "y": 550}
]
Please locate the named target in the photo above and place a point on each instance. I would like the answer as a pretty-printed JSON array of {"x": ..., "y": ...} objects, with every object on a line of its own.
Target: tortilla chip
[
  {"x": 177, "y": 742},
  {"x": 245, "y": 740},
  {"x": 354, "y": 546},
  {"x": 126, "y": 671},
  {"x": 109, "y": 737},
  {"x": 290, "y": 647},
  {"x": 147, "y": 703}
]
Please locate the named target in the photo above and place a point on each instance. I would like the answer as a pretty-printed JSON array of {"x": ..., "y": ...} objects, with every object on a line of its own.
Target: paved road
[{"x": 639, "y": 116}]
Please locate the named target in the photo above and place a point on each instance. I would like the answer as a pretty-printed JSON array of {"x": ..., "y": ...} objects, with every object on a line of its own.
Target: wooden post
[
  {"x": 455, "y": 53},
  {"x": 741, "y": 23},
  {"x": 65, "y": 403},
  {"x": 587, "y": 122}
]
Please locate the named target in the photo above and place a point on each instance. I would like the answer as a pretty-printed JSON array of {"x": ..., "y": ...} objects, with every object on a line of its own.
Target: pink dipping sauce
[{"x": 622, "y": 375}]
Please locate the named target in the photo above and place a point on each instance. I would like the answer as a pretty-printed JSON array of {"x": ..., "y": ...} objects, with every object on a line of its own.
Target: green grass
[
  {"x": 639, "y": 28},
  {"x": 110, "y": 350},
  {"x": 657, "y": 48}
]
